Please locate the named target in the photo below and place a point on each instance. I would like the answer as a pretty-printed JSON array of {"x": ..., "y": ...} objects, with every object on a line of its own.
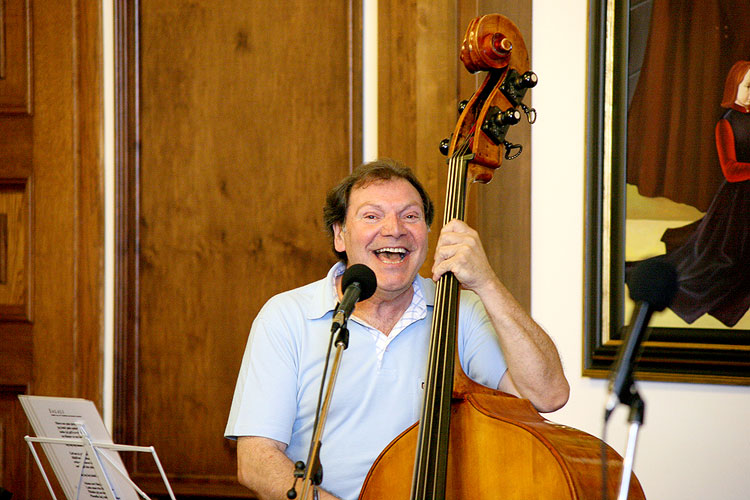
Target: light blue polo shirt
[{"x": 379, "y": 389}]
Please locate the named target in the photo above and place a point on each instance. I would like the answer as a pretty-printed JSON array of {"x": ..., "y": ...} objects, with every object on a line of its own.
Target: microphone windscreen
[
  {"x": 653, "y": 281},
  {"x": 364, "y": 276}
]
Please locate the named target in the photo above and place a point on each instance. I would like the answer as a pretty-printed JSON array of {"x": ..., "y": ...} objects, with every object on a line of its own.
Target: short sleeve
[
  {"x": 264, "y": 402},
  {"x": 479, "y": 347}
]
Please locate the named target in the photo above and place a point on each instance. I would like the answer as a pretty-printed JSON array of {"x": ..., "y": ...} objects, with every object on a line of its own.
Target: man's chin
[{"x": 390, "y": 285}]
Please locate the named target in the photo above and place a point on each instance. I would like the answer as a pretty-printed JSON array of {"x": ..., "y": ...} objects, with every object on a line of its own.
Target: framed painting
[{"x": 658, "y": 185}]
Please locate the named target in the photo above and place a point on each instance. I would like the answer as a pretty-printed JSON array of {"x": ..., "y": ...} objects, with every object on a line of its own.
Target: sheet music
[{"x": 52, "y": 417}]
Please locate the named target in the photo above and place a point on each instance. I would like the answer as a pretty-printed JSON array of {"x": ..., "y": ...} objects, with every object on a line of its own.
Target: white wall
[{"x": 695, "y": 443}]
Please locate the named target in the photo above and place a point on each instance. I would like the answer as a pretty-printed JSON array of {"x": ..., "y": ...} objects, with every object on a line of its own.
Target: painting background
[{"x": 679, "y": 54}]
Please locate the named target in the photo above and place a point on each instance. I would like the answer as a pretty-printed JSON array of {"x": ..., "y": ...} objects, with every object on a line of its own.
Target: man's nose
[{"x": 392, "y": 226}]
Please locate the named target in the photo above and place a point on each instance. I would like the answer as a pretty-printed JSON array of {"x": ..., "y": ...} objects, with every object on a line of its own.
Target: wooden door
[
  {"x": 240, "y": 115},
  {"x": 51, "y": 219}
]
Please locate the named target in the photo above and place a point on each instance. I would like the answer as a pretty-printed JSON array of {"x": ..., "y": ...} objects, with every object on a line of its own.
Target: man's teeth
[
  {"x": 391, "y": 250},
  {"x": 391, "y": 254}
]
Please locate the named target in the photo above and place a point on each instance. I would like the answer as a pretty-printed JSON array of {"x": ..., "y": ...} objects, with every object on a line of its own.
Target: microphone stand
[
  {"x": 314, "y": 473},
  {"x": 637, "y": 410},
  {"x": 653, "y": 285}
]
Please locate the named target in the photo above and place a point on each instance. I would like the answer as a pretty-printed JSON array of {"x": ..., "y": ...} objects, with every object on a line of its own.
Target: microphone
[
  {"x": 358, "y": 283},
  {"x": 653, "y": 284}
]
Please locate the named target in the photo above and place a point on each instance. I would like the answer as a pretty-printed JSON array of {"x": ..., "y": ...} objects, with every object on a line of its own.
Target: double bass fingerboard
[{"x": 430, "y": 465}]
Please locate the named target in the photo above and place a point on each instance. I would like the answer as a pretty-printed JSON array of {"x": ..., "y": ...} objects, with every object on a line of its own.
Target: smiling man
[{"x": 378, "y": 216}]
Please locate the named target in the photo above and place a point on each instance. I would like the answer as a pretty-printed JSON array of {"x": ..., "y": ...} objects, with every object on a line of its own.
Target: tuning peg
[
  {"x": 528, "y": 80},
  {"x": 508, "y": 117},
  {"x": 445, "y": 145},
  {"x": 515, "y": 85},
  {"x": 299, "y": 468},
  {"x": 496, "y": 123},
  {"x": 521, "y": 82}
]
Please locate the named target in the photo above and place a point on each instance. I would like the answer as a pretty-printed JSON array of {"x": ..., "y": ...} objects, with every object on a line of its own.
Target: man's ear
[{"x": 338, "y": 237}]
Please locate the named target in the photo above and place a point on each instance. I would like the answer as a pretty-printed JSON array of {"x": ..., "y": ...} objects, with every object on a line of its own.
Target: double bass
[{"x": 473, "y": 441}]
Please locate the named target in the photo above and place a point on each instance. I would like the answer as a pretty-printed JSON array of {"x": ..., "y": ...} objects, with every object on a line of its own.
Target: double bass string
[{"x": 434, "y": 428}]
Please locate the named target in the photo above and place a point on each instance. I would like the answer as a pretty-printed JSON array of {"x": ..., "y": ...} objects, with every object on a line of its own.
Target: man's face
[{"x": 385, "y": 229}]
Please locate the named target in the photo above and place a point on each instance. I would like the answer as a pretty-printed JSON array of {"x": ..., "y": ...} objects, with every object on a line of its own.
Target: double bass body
[{"x": 500, "y": 447}]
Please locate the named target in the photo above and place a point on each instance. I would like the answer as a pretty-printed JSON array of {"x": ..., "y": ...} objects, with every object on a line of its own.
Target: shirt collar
[{"x": 326, "y": 293}]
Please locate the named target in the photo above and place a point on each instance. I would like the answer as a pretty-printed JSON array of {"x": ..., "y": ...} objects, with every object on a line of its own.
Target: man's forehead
[{"x": 412, "y": 198}]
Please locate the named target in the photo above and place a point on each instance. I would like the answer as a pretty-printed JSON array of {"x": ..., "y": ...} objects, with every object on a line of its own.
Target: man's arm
[
  {"x": 534, "y": 368},
  {"x": 264, "y": 469}
]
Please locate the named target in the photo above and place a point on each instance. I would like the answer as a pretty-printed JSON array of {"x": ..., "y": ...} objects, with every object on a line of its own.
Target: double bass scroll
[{"x": 493, "y": 44}]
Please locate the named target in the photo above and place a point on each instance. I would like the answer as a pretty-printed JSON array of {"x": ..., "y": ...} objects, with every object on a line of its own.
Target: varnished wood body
[{"x": 502, "y": 448}]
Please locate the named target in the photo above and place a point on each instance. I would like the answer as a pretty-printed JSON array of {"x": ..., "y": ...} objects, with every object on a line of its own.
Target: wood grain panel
[
  {"x": 246, "y": 117},
  {"x": 421, "y": 81},
  {"x": 504, "y": 205},
  {"x": 50, "y": 189},
  {"x": 67, "y": 200},
  {"x": 15, "y": 57},
  {"x": 14, "y": 457},
  {"x": 15, "y": 285}
]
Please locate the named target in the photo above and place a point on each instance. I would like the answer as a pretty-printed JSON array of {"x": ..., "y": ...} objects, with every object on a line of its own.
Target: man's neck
[{"x": 383, "y": 309}]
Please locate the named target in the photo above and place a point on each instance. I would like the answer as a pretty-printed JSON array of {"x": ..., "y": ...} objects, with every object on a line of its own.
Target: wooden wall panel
[
  {"x": 504, "y": 205},
  {"x": 245, "y": 117},
  {"x": 15, "y": 275},
  {"x": 16, "y": 159},
  {"x": 51, "y": 199},
  {"x": 421, "y": 81},
  {"x": 15, "y": 57},
  {"x": 68, "y": 237}
]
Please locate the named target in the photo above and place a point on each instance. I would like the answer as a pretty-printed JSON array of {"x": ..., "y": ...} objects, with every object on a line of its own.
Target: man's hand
[{"x": 459, "y": 250}]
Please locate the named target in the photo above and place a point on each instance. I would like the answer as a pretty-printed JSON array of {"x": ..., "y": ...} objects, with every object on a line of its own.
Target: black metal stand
[{"x": 312, "y": 475}]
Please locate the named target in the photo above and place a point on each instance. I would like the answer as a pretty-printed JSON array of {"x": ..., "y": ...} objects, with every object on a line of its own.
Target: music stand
[
  {"x": 92, "y": 452},
  {"x": 82, "y": 455}
]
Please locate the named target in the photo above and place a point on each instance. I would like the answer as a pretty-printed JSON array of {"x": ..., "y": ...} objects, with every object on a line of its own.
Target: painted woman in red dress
[{"x": 713, "y": 261}]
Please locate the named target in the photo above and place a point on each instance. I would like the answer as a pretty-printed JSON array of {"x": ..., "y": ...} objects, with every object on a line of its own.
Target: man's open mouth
[{"x": 391, "y": 255}]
